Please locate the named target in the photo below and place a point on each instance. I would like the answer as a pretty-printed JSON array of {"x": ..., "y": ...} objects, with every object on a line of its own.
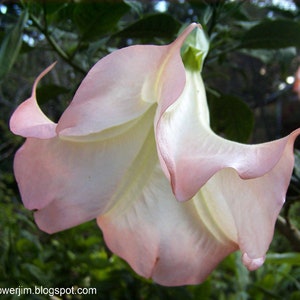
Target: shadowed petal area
[
  {"x": 70, "y": 183},
  {"x": 193, "y": 153},
  {"x": 28, "y": 120},
  {"x": 160, "y": 237}
]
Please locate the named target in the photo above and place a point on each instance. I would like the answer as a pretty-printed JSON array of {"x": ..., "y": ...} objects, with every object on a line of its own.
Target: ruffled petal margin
[{"x": 192, "y": 153}]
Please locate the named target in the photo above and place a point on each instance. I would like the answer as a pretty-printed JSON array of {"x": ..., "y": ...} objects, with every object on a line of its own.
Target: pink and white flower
[{"x": 134, "y": 150}]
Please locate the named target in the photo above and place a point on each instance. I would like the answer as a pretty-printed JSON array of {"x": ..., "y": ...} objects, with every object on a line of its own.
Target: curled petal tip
[
  {"x": 47, "y": 70},
  {"x": 252, "y": 263},
  {"x": 28, "y": 120}
]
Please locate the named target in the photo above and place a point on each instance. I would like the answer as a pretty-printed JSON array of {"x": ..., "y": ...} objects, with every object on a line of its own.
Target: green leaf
[
  {"x": 157, "y": 25},
  {"x": 201, "y": 291},
  {"x": 267, "y": 56},
  {"x": 284, "y": 258},
  {"x": 11, "y": 44},
  {"x": 54, "y": 7},
  {"x": 231, "y": 117},
  {"x": 94, "y": 19},
  {"x": 38, "y": 274},
  {"x": 272, "y": 35},
  {"x": 295, "y": 295}
]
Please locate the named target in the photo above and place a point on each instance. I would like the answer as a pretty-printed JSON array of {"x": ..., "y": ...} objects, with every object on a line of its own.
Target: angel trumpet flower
[{"x": 134, "y": 150}]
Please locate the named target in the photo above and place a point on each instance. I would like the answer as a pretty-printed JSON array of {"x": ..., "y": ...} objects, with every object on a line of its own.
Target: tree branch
[
  {"x": 56, "y": 47},
  {"x": 290, "y": 232}
]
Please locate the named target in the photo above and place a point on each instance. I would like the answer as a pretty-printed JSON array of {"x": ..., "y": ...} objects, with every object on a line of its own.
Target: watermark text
[{"x": 50, "y": 291}]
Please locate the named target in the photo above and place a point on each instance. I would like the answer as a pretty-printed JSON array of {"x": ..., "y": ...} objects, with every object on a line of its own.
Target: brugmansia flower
[{"x": 134, "y": 149}]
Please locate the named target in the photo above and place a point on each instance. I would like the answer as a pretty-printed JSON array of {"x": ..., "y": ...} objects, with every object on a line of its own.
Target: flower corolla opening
[{"x": 135, "y": 151}]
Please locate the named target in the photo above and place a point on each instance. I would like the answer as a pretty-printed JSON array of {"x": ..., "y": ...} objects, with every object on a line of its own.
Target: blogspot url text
[{"x": 41, "y": 290}]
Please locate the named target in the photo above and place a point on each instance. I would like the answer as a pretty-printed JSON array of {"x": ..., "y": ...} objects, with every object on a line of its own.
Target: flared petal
[
  {"x": 245, "y": 211},
  {"x": 193, "y": 153},
  {"x": 122, "y": 86},
  {"x": 160, "y": 237},
  {"x": 28, "y": 120},
  {"x": 70, "y": 183}
]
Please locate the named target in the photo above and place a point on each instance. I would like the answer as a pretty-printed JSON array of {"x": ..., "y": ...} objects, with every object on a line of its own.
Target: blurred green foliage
[{"x": 254, "y": 47}]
